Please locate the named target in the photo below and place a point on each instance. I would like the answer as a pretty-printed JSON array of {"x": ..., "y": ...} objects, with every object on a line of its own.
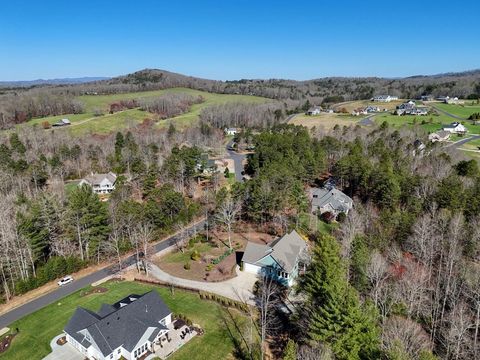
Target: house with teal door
[{"x": 280, "y": 260}]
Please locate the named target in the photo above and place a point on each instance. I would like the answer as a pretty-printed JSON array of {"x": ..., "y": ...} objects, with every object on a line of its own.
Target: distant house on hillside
[
  {"x": 359, "y": 111},
  {"x": 410, "y": 108},
  {"x": 454, "y": 100},
  {"x": 372, "y": 109},
  {"x": 63, "y": 122},
  {"x": 280, "y": 260},
  {"x": 100, "y": 183},
  {"x": 384, "y": 98},
  {"x": 439, "y": 136},
  {"x": 314, "y": 110},
  {"x": 455, "y": 128},
  {"x": 329, "y": 199},
  {"x": 427, "y": 98},
  {"x": 231, "y": 131},
  {"x": 128, "y": 329},
  {"x": 418, "y": 148}
]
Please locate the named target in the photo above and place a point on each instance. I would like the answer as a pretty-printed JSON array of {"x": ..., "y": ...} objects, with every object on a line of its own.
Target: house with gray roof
[
  {"x": 100, "y": 183},
  {"x": 127, "y": 329},
  {"x": 329, "y": 199},
  {"x": 281, "y": 259}
]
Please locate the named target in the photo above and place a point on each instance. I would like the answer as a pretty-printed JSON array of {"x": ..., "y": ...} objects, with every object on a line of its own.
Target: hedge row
[
  {"x": 203, "y": 294},
  {"x": 219, "y": 259},
  {"x": 54, "y": 268},
  {"x": 223, "y": 301}
]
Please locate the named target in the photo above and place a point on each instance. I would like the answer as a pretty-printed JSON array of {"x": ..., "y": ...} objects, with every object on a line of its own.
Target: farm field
[
  {"x": 460, "y": 110},
  {"x": 352, "y": 105},
  {"x": 89, "y": 123},
  {"x": 39, "y": 328},
  {"x": 325, "y": 120}
]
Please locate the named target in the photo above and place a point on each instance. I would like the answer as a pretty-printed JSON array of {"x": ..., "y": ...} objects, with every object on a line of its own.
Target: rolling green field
[
  {"x": 460, "y": 110},
  {"x": 88, "y": 123},
  {"x": 39, "y": 328},
  {"x": 432, "y": 122}
]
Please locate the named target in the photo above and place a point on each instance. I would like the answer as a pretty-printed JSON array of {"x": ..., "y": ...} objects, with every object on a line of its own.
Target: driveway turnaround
[
  {"x": 239, "y": 288},
  {"x": 51, "y": 297},
  {"x": 63, "y": 352}
]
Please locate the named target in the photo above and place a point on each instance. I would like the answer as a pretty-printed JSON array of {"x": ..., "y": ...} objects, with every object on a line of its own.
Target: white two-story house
[{"x": 100, "y": 183}]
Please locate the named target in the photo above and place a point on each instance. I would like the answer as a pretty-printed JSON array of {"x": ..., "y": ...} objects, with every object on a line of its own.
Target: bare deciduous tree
[{"x": 227, "y": 214}]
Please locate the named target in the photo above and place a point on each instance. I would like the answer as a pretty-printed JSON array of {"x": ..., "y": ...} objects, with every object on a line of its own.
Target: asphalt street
[{"x": 54, "y": 296}]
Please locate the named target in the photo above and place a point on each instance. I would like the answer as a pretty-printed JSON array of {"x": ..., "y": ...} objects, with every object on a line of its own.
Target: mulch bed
[
  {"x": 95, "y": 290},
  {"x": 5, "y": 342},
  {"x": 62, "y": 341}
]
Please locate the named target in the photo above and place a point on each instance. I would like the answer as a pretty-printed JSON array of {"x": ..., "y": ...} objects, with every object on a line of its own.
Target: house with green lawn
[{"x": 128, "y": 329}]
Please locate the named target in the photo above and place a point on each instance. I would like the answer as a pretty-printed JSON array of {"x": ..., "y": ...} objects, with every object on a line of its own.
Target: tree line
[{"x": 396, "y": 278}]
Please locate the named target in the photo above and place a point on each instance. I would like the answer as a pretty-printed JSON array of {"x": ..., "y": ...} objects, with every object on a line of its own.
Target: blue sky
[{"x": 237, "y": 39}]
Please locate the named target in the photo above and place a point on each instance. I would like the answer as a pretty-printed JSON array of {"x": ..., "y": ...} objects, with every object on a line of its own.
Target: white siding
[{"x": 254, "y": 269}]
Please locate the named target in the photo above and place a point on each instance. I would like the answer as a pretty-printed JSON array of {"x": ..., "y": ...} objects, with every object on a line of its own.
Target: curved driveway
[{"x": 239, "y": 288}]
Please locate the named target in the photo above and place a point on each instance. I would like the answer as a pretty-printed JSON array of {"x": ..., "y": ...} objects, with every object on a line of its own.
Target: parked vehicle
[{"x": 66, "y": 280}]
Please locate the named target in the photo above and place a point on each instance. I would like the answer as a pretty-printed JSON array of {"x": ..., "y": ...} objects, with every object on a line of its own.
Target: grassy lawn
[
  {"x": 432, "y": 122},
  {"x": 312, "y": 223},
  {"x": 38, "y": 329},
  {"x": 70, "y": 186},
  {"x": 179, "y": 257},
  {"x": 89, "y": 123},
  {"x": 472, "y": 145},
  {"x": 460, "y": 110}
]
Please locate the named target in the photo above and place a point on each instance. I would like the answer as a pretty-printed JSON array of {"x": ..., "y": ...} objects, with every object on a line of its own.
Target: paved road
[
  {"x": 59, "y": 293},
  {"x": 459, "y": 143},
  {"x": 237, "y": 162},
  {"x": 447, "y": 113},
  {"x": 368, "y": 121}
]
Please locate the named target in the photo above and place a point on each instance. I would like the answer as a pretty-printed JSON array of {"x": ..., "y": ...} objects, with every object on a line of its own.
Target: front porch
[{"x": 179, "y": 333}]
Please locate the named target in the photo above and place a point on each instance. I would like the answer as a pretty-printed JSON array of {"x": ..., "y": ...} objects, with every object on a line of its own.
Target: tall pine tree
[{"x": 337, "y": 317}]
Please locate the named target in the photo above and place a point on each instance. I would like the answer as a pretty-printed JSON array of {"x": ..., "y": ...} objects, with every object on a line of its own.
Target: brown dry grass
[
  {"x": 352, "y": 105},
  {"x": 324, "y": 120}
]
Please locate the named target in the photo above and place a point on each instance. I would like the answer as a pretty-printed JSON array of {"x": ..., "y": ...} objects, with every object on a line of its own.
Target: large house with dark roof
[
  {"x": 127, "y": 329},
  {"x": 281, "y": 259},
  {"x": 329, "y": 199}
]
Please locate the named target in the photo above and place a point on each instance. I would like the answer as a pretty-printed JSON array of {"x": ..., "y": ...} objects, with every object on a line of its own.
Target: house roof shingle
[
  {"x": 333, "y": 197},
  {"x": 96, "y": 179},
  {"x": 123, "y": 323},
  {"x": 284, "y": 251}
]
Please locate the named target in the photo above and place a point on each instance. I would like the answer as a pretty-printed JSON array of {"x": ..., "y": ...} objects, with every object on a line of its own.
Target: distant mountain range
[{"x": 62, "y": 81}]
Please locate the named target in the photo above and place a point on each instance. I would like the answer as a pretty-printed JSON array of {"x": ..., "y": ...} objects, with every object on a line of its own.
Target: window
[
  {"x": 111, "y": 356},
  {"x": 119, "y": 351}
]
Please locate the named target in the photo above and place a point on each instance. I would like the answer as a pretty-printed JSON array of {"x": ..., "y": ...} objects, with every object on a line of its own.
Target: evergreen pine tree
[
  {"x": 337, "y": 317},
  {"x": 290, "y": 351}
]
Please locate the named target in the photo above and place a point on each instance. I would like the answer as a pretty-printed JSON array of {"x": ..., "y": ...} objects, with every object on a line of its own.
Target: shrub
[
  {"x": 187, "y": 265},
  {"x": 223, "y": 256},
  {"x": 195, "y": 255},
  {"x": 209, "y": 267},
  {"x": 46, "y": 125},
  {"x": 341, "y": 217}
]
